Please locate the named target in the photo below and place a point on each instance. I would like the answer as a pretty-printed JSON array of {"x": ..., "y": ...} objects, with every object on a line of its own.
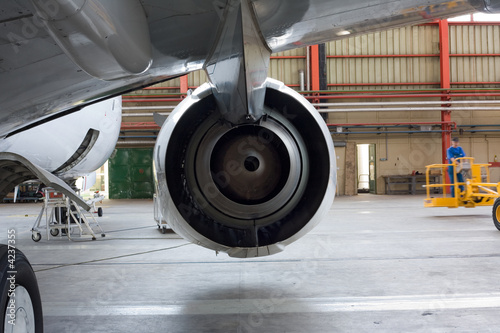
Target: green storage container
[{"x": 131, "y": 174}]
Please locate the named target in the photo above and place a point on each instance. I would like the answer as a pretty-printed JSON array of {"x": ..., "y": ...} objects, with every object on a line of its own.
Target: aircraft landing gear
[{"x": 20, "y": 305}]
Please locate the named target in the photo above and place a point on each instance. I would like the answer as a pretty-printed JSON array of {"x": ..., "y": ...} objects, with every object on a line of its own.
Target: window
[{"x": 476, "y": 17}]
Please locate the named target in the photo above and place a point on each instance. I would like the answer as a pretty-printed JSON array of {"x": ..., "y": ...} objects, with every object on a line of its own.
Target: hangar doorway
[
  {"x": 366, "y": 157},
  {"x": 100, "y": 182}
]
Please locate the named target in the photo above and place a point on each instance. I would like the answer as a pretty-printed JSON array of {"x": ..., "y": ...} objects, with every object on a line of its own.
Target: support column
[
  {"x": 444, "y": 50},
  {"x": 444, "y": 53},
  {"x": 351, "y": 182},
  {"x": 323, "y": 85},
  {"x": 318, "y": 72},
  {"x": 184, "y": 84},
  {"x": 315, "y": 81}
]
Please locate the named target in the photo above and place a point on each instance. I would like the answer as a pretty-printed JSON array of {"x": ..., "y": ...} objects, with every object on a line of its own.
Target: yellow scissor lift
[{"x": 477, "y": 189}]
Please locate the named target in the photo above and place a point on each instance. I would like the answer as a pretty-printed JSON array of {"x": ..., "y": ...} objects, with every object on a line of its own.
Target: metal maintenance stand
[
  {"x": 61, "y": 213},
  {"x": 158, "y": 216}
]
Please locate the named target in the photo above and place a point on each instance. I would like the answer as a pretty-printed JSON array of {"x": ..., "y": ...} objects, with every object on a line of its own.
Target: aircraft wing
[{"x": 59, "y": 55}]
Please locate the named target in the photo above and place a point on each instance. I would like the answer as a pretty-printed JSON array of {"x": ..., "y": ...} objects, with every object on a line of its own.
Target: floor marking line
[{"x": 279, "y": 306}]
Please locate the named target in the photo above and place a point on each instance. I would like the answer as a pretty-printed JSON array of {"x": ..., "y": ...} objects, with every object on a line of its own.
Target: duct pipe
[
  {"x": 405, "y": 103},
  {"x": 160, "y": 107},
  {"x": 302, "y": 79},
  {"x": 136, "y": 142},
  {"x": 414, "y": 109},
  {"x": 308, "y": 66},
  {"x": 144, "y": 114}
]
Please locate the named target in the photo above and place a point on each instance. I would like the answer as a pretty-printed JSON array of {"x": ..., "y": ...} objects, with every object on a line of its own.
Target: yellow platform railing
[{"x": 475, "y": 190}]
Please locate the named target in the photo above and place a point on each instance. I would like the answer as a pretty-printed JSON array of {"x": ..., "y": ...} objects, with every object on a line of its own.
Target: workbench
[{"x": 408, "y": 184}]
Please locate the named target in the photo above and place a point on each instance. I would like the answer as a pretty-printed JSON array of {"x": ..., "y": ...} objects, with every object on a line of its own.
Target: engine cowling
[{"x": 251, "y": 189}]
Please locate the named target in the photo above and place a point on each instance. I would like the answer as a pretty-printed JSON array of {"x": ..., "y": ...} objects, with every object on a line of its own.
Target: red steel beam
[
  {"x": 160, "y": 88},
  {"x": 139, "y": 126},
  {"x": 165, "y": 95},
  {"x": 184, "y": 84},
  {"x": 383, "y": 84},
  {"x": 168, "y": 88},
  {"x": 349, "y": 56},
  {"x": 400, "y": 96},
  {"x": 346, "y": 94},
  {"x": 459, "y": 23},
  {"x": 451, "y": 123},
  {"x": 383, "y": 56},
  {"x": 133, "y": 100},
  {"x": 474, "y": 83},
  {"x": 411, "y": 93},
  {"x": 444, "y": 50},
  {"x": 473, "y": 23},
  {"x": 288, "y": 57},
  {"x": 315, "y": 75},
  {"x": 179, "y": 88},
  {"x": 475, "y": 55},
  {"x": 403, "y": 84}
]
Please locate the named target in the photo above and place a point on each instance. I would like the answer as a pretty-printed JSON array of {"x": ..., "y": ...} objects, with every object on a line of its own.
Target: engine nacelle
[
  {"x": 248, "y": 190},
  {"x": 73, "y": 145}
]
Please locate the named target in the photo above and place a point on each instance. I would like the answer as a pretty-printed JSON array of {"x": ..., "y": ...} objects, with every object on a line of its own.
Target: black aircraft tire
[
  {"x": 99, "y": 212},
  {"x": 496, "y": 213},
  {"x": 19, "y": 289}
]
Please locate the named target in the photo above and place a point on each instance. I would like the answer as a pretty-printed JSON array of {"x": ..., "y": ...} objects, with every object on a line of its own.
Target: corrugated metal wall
[
  {"x": 377, "y": 69},
  {"x": 397, "y": 56},
  {"x": 475, "y": 39},
  {"x": 197, "y": 78},
  {"x": 403, "y": 60},
  {"x": 174, "y": 83},
  {"x": 287, "y": 69},
  {"x": 370, "y": 66}
]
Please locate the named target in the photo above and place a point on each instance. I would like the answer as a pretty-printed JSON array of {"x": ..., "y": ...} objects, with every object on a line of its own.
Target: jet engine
[{"x": 246, "y": 189}]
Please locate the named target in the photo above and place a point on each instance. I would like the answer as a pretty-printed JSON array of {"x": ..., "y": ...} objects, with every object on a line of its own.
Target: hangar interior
[
  {"x": 377, "y": 263},
  {"x": 404, "y": 91}
]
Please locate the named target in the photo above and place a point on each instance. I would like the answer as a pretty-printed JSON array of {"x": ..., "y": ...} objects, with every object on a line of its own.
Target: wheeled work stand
[{"x": 63, "y": 214}]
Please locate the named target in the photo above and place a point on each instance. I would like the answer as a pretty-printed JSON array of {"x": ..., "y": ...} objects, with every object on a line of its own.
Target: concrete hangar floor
[{"x": 375, "y": 264}]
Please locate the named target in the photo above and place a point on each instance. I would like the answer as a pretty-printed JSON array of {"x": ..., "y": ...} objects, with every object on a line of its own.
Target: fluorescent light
[{"x": 343, "y": 33}]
